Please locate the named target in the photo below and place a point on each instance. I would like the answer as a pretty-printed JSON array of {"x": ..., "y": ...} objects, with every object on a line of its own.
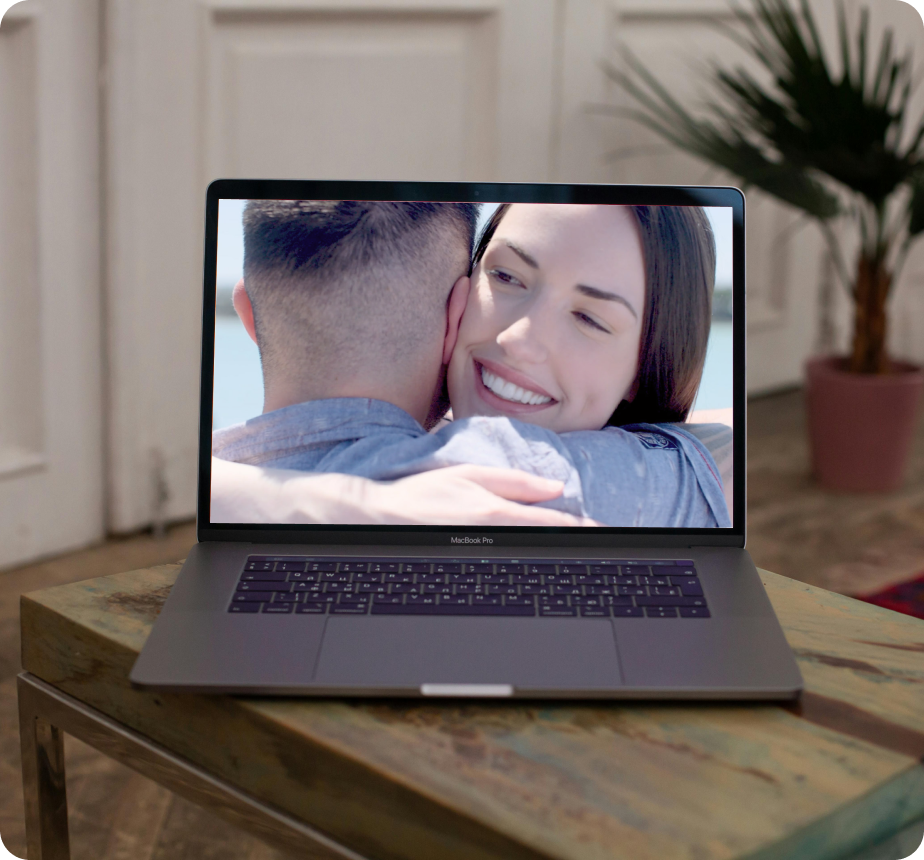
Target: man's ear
[
  {"x": 455, "y": 307},
  {"x": 244, "y": 308}
]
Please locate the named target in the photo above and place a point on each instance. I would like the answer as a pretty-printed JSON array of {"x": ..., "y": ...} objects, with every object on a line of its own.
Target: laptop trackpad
[{"x": 528, "y": 653}]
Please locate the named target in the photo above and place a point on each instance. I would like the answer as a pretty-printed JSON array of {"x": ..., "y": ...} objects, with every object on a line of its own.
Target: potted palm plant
[{"x": 839, "y": 146}]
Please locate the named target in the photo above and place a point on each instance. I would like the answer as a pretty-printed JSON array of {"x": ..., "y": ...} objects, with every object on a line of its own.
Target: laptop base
[{"x": 738, "y": 652}]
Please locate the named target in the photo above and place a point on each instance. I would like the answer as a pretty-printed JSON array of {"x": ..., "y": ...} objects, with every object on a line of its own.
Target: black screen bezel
[{"x": 503, "y": 536}]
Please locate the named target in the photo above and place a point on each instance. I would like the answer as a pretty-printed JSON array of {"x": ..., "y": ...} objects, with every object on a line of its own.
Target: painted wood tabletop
[{"x": 820, "y": 780}]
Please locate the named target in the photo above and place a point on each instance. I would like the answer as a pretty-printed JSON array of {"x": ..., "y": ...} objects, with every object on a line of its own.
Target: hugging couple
[{"x": 567, "y": 344}]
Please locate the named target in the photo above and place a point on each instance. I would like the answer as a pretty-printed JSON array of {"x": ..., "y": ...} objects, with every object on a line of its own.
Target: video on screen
[{"x": 460, "y": 364}]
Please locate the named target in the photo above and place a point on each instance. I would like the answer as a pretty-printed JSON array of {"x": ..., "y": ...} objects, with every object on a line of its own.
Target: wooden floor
[{"x": 847, "y": 543}]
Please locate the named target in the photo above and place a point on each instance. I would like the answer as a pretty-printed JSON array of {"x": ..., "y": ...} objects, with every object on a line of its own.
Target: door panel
[
  {"x": 21, "y": 416},
  {"x": 50, "y": 376},
  {"x": 316, "y": 94}
]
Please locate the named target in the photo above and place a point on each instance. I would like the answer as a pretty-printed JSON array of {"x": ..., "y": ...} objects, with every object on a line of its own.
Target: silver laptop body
[{"x": 610, "y": 612}]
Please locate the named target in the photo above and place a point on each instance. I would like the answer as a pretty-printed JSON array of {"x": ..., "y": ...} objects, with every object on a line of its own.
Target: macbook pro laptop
[{"x": 471, "y": 440}]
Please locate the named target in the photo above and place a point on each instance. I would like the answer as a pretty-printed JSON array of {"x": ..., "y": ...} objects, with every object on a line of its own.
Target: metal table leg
[
  {"x": 46, "y": 714},
  {"x": 43, "y": 785}
]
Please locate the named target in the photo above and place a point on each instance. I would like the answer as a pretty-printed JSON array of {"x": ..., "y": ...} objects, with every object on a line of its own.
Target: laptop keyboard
[{"x": 534, "y": 588}]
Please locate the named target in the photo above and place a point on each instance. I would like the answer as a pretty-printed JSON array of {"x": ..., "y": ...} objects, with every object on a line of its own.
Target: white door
[
  {"x": 51, "y": 483},
  {"x": 375, "y": 89}
]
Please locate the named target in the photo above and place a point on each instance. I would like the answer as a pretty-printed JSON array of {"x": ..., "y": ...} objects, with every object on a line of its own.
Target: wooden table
[{"x": 388, "y": 779}]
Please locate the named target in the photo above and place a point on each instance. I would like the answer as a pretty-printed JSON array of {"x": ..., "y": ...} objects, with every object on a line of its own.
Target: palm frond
[
  {"x": 918, "y": 139},
  {"x": 916, "y": 207},
  {"x": 885, "y": 70},
  {"x": 845, "y": 127},
  {"x": 720, "y": 143},
  {"x": 844, "y": 40},
  {"x": 862, "y": 39},
  {"x": 812, "y": 29}
]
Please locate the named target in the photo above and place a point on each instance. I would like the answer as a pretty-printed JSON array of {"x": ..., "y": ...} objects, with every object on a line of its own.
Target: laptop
[{"x": 471, "y": 440}]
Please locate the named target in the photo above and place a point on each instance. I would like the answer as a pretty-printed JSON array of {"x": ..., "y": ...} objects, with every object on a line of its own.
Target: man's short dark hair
[
  {"x": 322, "y": 274},
  {"x": 340, "y": 236}
]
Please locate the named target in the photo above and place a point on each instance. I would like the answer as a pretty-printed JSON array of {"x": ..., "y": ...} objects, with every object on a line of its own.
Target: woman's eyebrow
[
  {"x": 594, "y": 293},
  {"x": 526, "y": 258}
]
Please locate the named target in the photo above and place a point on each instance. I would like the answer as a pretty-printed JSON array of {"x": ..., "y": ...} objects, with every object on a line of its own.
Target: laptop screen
[{"x": 530, "y": 361}]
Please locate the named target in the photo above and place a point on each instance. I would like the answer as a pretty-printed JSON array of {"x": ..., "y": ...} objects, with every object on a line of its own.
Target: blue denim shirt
[{"x": 645, "y": 475}]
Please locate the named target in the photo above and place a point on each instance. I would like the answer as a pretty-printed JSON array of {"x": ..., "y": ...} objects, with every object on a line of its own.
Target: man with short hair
[
  {"x": 357, "y": 288},
  {"x": 355, "y": 307}
]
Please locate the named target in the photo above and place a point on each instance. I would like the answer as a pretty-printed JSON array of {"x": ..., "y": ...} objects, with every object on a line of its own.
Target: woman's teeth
[{"x": 508, "y": 391}]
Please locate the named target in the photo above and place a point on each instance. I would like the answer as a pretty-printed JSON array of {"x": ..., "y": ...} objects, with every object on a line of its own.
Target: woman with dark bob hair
[{"x": 584, "y": 316}]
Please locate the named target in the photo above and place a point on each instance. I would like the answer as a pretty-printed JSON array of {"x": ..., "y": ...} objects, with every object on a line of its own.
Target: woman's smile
[{"x": 507, "y": 390}]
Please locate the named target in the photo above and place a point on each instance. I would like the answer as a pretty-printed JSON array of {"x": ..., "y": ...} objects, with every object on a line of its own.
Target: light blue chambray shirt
[{"x": 645, "y": 475}]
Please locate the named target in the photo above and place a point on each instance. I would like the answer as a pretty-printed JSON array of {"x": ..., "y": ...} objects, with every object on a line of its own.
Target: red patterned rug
[{"x": 907, "y": 597}]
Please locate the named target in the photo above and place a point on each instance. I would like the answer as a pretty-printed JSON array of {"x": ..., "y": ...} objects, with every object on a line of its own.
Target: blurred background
[{"x": 115, "y": 115}]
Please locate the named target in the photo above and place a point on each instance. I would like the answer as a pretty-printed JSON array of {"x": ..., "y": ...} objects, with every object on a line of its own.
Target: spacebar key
[{"x": 449, "y": 609}]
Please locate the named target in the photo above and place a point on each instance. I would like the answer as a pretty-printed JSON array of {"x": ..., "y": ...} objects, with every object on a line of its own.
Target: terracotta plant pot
[{"x": 861, "y": 426}]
